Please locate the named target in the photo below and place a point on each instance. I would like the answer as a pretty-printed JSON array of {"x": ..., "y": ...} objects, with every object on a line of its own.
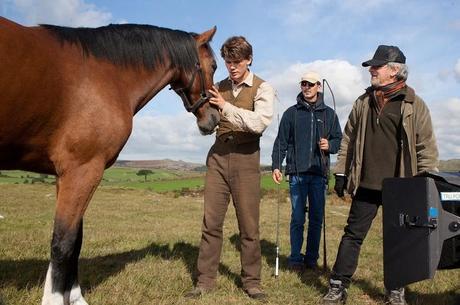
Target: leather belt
[{"x": 237, "y": 138}]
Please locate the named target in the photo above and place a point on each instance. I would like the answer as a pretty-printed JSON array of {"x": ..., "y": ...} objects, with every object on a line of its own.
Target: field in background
[
  {"x": 123, "y": 177},
  {"x": 140, "y": 248}
]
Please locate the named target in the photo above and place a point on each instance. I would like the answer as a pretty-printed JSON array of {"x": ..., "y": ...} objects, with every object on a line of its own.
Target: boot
[
  {"x": 395, "y": 297},
  {"x": 337, "y": 294}
]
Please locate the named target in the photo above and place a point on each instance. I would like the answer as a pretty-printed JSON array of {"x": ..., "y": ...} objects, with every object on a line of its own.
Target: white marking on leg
[
  {"x": 50, "y": 298},
  {"x": 76, "y": 298}
]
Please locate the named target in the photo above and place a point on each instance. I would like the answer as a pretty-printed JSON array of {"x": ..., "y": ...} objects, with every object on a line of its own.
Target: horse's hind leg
[{"x": 75, "y": 189}]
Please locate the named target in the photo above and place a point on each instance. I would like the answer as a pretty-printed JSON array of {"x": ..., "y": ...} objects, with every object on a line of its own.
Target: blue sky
[{"x": 289, "y": 37}]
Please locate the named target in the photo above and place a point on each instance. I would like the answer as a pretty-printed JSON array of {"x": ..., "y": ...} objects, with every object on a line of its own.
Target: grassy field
[
  {"x": 140, "y": 247},
  {"x": 160, "y": 181}
]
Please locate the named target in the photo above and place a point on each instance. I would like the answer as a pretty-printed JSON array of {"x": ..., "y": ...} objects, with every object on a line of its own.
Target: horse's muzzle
[{"x": 207, "y": 124}]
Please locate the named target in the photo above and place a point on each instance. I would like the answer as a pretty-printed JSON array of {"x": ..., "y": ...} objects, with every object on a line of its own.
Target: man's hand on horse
[{"x": 216, "y": 98}]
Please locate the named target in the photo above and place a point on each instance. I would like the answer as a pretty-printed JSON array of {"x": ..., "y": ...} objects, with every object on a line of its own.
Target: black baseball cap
[{"x": 385, "y": 54}]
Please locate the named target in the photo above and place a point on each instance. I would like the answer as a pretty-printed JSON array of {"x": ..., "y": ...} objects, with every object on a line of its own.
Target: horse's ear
[{"x": 205, "y": 37}]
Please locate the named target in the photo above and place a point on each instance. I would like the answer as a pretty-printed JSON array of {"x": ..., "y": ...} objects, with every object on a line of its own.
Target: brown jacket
[{"x": 418, "y": 136}]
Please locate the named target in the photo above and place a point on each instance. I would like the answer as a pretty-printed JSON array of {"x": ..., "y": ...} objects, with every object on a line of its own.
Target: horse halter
[{"x": 189, "y": 106}]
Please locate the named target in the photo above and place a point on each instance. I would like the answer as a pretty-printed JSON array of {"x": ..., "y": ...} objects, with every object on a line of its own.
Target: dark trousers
[
  {"x": 233, "y": 169},
  {"x": 362, "y": 212}
]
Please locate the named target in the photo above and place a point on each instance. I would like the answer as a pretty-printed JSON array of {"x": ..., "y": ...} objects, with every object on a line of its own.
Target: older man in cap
[
  {"x": 309, "y": 131},
  {"x": 388, "y": 134}
]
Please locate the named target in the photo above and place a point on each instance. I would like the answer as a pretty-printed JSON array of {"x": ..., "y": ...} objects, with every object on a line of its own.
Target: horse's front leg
[
  {"x": 61, "y": 285},
  {"x": 74, "y": 191}
]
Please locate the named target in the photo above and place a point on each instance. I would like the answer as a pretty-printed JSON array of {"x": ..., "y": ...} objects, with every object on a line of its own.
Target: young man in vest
[
  {"x": 245, "y": 102},
  {"x": 388, "y": 134}
]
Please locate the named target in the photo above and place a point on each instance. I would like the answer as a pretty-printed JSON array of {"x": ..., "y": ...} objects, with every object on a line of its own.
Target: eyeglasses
[{"x": 304, "y": 83}]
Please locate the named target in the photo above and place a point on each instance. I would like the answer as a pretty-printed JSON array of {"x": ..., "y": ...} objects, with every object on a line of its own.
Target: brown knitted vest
[{"x": 245, "y": 100}]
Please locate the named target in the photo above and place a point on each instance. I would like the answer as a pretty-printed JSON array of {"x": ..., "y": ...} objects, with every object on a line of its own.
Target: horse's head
[{"x": 193, "y": 86}]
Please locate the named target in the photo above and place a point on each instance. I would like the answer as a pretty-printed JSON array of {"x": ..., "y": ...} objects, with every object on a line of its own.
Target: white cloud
[
  {"x": 62, "y": 12},
  {"x": 445, "y": 122},
  {"x": 167, "y": 136}
]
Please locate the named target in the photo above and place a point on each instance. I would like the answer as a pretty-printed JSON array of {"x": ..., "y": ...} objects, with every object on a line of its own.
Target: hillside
[
  {"x": 166, "y": 164},
  {"x": 452, "y": 165}
]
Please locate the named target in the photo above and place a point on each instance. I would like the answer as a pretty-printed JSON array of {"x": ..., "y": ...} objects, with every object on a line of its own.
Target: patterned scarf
[{"x": 383, "y": 94}]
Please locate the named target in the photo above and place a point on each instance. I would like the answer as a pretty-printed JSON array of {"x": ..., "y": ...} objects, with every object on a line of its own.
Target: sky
[{"x": 289, "y": 37}]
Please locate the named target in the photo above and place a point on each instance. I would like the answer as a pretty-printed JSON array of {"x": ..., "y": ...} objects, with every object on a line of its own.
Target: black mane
[{"x": 132, "y": 44}]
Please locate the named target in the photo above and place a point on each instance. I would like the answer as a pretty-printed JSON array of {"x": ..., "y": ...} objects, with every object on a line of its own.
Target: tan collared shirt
[{"x": 253, "y": 121}]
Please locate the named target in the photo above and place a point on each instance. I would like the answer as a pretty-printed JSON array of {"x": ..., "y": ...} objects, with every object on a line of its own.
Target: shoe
[
  {"x": 395, "y": 297},
  {"x": 298, "y": 268},
  {"x": 256, "y": 293},
  {"x": 337, "y": 294},
  {"x": 196, "y": 292},
  {"x": 312, "y": 267}
]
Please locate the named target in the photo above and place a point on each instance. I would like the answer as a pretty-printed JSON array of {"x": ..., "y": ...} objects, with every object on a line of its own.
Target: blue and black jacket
[{"x": 300, "y": 130}]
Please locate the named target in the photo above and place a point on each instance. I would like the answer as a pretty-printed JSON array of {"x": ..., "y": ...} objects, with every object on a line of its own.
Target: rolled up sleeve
[{"x": 253, "y": 121}]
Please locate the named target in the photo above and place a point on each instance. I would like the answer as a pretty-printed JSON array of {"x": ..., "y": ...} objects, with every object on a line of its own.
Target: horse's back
[
  {"x": 26, "y": 60},
  {"x": 53, "y": 97},
  {"x": 27, "y": 57},
  {"x": 6, "y": 23},
  {"x": 30, "y": 89}
]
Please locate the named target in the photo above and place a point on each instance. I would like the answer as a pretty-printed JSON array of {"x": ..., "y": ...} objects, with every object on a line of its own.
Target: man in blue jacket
[{"x": 309, "y": 131}]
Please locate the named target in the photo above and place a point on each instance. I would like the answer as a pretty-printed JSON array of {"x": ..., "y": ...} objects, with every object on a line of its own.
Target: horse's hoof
[{"x": 80, "y": 301}]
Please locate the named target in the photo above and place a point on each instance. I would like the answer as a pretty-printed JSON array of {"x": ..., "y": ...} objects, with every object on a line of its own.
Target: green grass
[
  {"x": 140, "y": 248},
  {"x": 18, "y": 177},
  {"x": 266, "y": 183}
]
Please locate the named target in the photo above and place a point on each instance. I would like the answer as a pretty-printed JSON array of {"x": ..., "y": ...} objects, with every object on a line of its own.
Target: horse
[{"x": 67, "y": 101}]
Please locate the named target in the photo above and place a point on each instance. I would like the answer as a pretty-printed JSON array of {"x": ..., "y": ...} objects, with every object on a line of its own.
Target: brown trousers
[{"x": 233, "y": 169}]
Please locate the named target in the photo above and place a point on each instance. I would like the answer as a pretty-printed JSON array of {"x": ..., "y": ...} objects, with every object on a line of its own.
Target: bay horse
[{"x": 67, "y": 99}]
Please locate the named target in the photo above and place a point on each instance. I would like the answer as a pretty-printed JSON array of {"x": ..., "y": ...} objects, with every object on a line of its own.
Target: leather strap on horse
[{"x": 189, "y": 106}]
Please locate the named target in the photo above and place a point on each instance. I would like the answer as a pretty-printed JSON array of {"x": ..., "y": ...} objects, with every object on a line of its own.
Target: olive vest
[{"x": 245, "y": 100}]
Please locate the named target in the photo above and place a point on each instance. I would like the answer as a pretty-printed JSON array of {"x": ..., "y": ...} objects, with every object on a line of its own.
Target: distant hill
[
  {"x": 167, "y": 164},
  {"x": 452, "y": 165}
]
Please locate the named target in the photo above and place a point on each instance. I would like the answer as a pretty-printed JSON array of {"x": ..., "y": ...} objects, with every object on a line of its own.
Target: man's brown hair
[{"x": 236, "y": 48}]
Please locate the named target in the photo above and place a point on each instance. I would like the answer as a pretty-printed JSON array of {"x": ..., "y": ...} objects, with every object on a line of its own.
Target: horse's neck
[{"x": 148, "y": 84}]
